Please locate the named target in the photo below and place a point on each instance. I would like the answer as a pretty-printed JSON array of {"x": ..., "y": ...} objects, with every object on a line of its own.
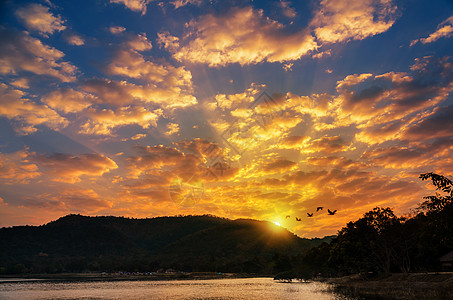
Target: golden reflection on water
[{"x": 243, "y": 288}]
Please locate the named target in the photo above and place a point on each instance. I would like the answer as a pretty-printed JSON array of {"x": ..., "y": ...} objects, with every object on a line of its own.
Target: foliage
[
  {"x": 381, "y": 242},
  {"x": 76, "y": 243}
]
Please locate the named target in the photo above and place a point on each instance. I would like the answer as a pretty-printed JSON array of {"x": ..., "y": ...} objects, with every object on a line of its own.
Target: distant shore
[
  {"x": 126, "y": 276},
  {"x": 396, "y": 286}
]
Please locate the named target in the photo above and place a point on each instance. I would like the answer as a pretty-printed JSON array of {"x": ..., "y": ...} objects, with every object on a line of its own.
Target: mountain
[{"x": 76, "y": 243}]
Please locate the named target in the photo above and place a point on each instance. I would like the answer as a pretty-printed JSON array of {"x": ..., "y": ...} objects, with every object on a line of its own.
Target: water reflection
[{"x": 243, "y": 288}]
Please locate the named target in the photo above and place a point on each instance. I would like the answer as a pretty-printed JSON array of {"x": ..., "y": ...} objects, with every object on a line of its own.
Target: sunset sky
[{"x": 240, "y": 109}]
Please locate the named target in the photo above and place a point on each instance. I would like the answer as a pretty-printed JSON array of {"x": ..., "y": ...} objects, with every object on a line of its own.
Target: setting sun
[{"x": 278, "y": 224}]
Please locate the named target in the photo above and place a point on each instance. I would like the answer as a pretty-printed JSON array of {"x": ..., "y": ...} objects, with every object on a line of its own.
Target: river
[{"x": 239, "y": 288}]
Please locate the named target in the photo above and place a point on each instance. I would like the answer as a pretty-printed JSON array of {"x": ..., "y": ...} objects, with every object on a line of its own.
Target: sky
[{"x": 239, "y": 109}]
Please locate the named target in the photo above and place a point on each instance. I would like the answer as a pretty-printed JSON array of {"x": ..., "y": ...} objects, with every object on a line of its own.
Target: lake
[{"x": 238, "y": 288}]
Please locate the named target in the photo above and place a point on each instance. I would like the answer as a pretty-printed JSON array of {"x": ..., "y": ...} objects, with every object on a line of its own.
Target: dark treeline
[
  {"x": 76, "y": 243},
  {"x": 380, "y": 242}
]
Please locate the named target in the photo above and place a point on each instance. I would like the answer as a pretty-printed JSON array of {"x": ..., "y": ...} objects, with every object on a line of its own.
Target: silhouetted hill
[{"x": 77, "y": 243}]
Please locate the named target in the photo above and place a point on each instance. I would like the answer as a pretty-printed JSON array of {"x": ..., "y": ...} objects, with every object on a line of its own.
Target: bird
[
  {"x": 331, "y": 212},
  {"x": 310, "y": 215},
  {"x": 288, "y": 217},
  {"x": 298, "y": 219},
  {"x": 319, "y": 208}
]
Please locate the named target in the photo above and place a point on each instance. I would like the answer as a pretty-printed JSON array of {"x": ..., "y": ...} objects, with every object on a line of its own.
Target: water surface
[{"x": 239, "y": 288}]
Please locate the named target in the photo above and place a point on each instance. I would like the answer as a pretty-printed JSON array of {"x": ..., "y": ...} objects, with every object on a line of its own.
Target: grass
[{"x": 396, "y": 286}]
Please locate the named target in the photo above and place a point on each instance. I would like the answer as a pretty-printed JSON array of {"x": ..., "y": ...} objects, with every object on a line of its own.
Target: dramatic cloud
[
  {"x": 68, "y": 100},
  {"x": 134, "y": 5},
  {"x": 69, "y": 168},
  {"x": 444, "y": 30},
  {"x": 123, "y": 93},
  {"x": 279, "y": 165},
  {"x": 37, "y": 17},
  {"x": 180, "y": 3},
  {"x": 101, "y": 122},
  {"x": 28, "y": 114},
  {"x": 387, "y": 103},
  {"x": 288, "y": 11},
  {"x": 243, "y": 35},
  {"x": 74, "y": 200},
  {"x": 20, "y": 52},
  {"x": 341, "y": 21},
  {"x": 16, "y": 167},
  {"x": 437, "y": 125}
]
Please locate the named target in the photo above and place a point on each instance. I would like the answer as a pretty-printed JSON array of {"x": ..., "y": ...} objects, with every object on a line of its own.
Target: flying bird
[
  {"x": 310, "y": 215},
  {"x": 319, "y": 208},
  {"x": 331, "y": 212},
  {"x": 288, "y": 217},
  {"x": 298, "y": 219}
]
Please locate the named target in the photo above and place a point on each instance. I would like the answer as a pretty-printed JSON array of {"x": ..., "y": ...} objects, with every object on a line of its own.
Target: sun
[{"x": 276, "y": 223}]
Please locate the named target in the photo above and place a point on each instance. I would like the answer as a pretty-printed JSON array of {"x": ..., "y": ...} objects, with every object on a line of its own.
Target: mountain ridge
[{"x": 75, "y": 243}]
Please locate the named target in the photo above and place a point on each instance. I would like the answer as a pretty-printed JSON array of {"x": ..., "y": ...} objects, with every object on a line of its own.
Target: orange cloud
[
  {"x": 37, "y": 17},
  {"x": 69, "y": 168},
  {"x": 339, "y": 21},
  {"x": 279, "y": 165},
  {"x": 16, "y": 168},
  {"x": 68, "y": 100},
  {"x": 181, "y": 3},
  {"x": 243, "y": 35},
  {"x": 139, "y": 42},
  {"x": 134, "y": 5},
  {"x": 444, "y": 30},
  {"x": 75, "y": 40},
  {"x": 117, "y": 29},
  {"x": 172, "y": 128},
  {"x": 437, "y": 125},
  {"x": 103, "y": 121},
  {"x": 118, "y": 93},
  {"x": 329, "y": 144},
  {"x": 391, "y": 100},
  {"x": 21, "y": 52},
  {"x": 73, "y": 200},
  {"x": 13, "y": 105}
]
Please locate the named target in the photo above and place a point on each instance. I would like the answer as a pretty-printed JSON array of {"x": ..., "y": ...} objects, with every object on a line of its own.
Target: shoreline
[
  {"x": 125, "y": 276},
  {"x": 438, "y": 285}
]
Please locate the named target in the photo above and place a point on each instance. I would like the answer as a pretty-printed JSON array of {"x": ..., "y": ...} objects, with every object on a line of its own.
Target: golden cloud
[
  {"x": 339, "y": 21},
  {"x": 134, "y": 5},
  {"x": 37, "y": 17},
  {"x": 75, "y": 40},
  {"x": 279, "y": 165},
  {"x": 117, "y": 29},
  {"x": 16, "y": 167},
  {"x": 73, "y": 200},
  {"x": 68, "y": 100},
  {"x": 389, "y": 98},
  {"x": 102, "y": 121},
  {"x": 21, "y": 52},
  {"x": 27, "y": 113},
  {"x": 69, "y": 168},
  {"x": 181, "y": 3},
  {"x": 243, "y": 35},
  {"x": 444, "y": 30},
  {"x": 437, "y": 125},
  {"x": 119, "y": 93}
]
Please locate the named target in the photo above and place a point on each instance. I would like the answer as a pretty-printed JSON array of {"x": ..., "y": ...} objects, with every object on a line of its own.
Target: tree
[
  {"x": 438, "y": 202},
  {"x": 368, "y": 244},
  {"x": 439, "y": 208}
]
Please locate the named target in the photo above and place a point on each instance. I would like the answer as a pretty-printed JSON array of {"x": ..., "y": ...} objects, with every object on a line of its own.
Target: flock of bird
[{"x": 329, "y": 212}]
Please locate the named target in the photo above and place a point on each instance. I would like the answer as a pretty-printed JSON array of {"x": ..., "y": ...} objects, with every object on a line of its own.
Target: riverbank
[
  {"x": 126, "y": 276},
  {"x": 396, "y": 286}
]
